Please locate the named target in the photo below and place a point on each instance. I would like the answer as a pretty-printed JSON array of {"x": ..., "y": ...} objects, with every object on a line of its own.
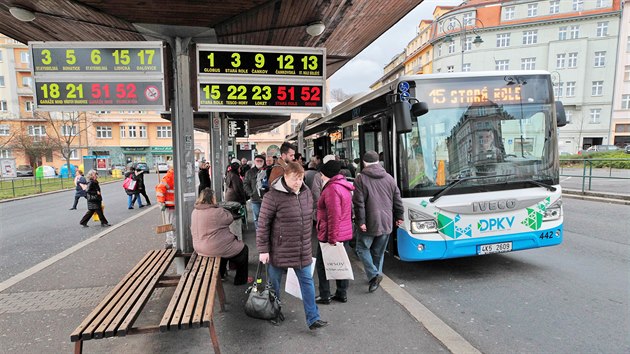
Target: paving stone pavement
[{"x": 51, "y": 300}]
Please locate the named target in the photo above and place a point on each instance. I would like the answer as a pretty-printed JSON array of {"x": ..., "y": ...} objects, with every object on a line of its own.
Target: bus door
[
  {"x": 371, "y": 137},
  {"x": 321, "y": 146}
]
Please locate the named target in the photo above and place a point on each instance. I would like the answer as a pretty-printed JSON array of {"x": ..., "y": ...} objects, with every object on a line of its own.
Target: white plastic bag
[
  {"x": 336, "y": 261},
  {"x": 292, "y": 285}
]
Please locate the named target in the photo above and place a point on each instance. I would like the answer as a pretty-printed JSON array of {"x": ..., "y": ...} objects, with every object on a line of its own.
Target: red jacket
[
  {"x": 165, "y": 190},
  {"x": 334, "y": 211}
]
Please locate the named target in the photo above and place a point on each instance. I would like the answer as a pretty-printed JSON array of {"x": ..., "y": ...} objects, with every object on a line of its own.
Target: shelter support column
[{"x": 218, "y": 153}]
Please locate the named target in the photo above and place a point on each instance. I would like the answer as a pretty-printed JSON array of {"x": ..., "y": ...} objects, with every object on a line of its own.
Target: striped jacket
[{"x": 165, "y": 190}]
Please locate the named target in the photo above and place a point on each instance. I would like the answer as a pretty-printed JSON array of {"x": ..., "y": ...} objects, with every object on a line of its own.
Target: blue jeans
[
  {"x": 370, "y": 250},
  {"x": 307, "y": 287},
  {"x": 133, "y": 198},
  {"x": 256, "y": 211}
]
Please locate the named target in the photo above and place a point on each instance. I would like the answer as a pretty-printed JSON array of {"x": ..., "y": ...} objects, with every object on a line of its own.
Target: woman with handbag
[
  {"x": 131, "y": 189},
  {"x": 94, "y": 200},
  {"x": 210, "y": 228}
]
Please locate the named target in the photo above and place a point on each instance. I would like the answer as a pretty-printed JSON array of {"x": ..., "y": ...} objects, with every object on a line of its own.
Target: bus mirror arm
[{"x": 419, "y": 108}]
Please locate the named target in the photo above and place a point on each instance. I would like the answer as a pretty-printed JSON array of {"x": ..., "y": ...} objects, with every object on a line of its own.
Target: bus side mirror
[
  {"x": 402, "y": 116},
  {"x": 561, "y": 116},
  {"x": 419, "y": 109}
]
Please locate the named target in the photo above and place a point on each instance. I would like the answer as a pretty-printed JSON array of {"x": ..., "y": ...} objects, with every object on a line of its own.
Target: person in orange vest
[{"x": 165, "y": 192}]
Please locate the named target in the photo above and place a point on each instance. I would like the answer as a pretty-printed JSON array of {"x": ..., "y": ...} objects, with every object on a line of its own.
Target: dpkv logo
[{"x": 495, "y": 224}]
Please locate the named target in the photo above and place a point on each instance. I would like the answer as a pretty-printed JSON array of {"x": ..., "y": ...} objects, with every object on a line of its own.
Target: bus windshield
[{"x": 504, "y": 132}]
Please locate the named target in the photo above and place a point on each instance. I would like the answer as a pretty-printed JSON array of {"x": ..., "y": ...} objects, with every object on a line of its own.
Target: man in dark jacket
[
  {"x": 376, "y": 202},
  {"x": 283, "y": 237},
  {"x": 251, "y": 186}
]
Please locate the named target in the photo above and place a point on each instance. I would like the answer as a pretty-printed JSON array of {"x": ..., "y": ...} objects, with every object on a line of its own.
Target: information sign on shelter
[
  {"x": 261, "y": 79},
  {"x": 98, "y": 75},
  {"x": 238, "y": 128}
]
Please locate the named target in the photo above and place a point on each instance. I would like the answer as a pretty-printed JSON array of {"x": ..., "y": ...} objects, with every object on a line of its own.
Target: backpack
[{"x": 262, "y": 182}]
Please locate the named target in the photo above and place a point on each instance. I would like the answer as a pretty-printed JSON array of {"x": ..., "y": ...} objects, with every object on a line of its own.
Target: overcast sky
[{"x": 367, "y": 67}]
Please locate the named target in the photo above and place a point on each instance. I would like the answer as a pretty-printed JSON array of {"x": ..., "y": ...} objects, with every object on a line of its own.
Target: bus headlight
[
  {"x": 553, "y": 212},
  {"x": 421, "y": 223}
]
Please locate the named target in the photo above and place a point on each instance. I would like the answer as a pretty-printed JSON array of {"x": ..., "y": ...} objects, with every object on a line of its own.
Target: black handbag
[{"x": 262, "y": 302}]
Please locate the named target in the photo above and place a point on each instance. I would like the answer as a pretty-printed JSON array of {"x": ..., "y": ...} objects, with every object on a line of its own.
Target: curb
[{"x": 613, "y": 198}]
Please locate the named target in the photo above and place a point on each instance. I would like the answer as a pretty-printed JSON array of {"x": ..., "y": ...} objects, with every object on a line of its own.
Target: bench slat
[
  {"x": 168, "y": 314},
  {"x": 203, "y": 294},
  {"x": 194, "y": 300},
  {"x": 127, "y": 316},
  {"x": 208, "y": 311},
  {"x": 132, "y": 293},
  {"x": 87, "y": 327},
  {"x": 185, "y": 295}
]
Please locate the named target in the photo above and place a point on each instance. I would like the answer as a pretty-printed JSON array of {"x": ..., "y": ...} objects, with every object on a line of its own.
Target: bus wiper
[
  {"x": 450, "y": 186},
  {"x": 540, "y": 184}
]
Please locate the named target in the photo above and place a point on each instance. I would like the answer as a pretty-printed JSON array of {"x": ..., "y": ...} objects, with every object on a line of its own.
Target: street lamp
[{"x": 455, "y": 25}]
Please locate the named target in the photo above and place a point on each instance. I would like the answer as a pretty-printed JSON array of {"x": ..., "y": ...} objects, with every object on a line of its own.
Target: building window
[
  {"x": 628, "y": 44},
  {"x": 508, "y": 13},
  {"x": 569, "y": 115},
  {"x": 558, "y": 89},
  {"x": 450, "y": 68},
  {"x": 1, "y": 81},
  {"x": 602, "y": 29},
  {"x": 3, "y": 106},
  {"x": 36, "y": 130},
  {"x": 468, "y": 19},
  {"x": 554, "y": 6},
  {"x": 27, "y": 81},
  {"x": 74, "y": 155},
  {"x": 123, "y": 131},
  {"x": 532, "y": 10},
  {"x": 28, "y": 106},
  {"x": 69, "y": 130},
  {"x": 466, "y": 67},
  {"x": 560, "y": 60},
  {"x": 595, "y": 115},
  {"x": 503, "y": 40},
  {"x": 601, "y": 3},
  {"x": 164, "y": 132},
  {"x": 570, "y": 89},
  {"x": 0, "y": 55},
  {"x": 625, "y": 101},
  {"x": 24, "y": 58},
  {"x": 578, "y": 5},
  {"x": 530, "y": 37},
  {"x": 598, "y": 88},
  {"x": 4, "y": 129},
  {"x": 294, "y": 124},
  {"x": 103, "y": 112},
  {"x": 572, "y": 60},
  {"x": 132, "y": 131},
  {"x": 439, "y": 53},
  {"x": 562, "y": 33},
  {"x": 528, "y": 63},
  {"x": 451, "y": 47},
  {"x": 622, "y": 128},
  {"x": 468, "y": 44},
  {"x": 626, "y": 73},
  {"x": 574, "y": 31},
  {"x": 600, "y": 59},
  {"x": 103, "y": 132},
  {"x": 5, "y": 153},
  {"x": 502, "y": 65},
  {"x": 142, "y": 131}
]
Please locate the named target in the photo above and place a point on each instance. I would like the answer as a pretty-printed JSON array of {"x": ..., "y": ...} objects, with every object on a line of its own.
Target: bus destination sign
[{"x": 98, "y": 75}]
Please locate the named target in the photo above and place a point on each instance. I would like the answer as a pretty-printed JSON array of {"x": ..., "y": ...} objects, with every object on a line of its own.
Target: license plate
[{"x": 495, "y": 248}]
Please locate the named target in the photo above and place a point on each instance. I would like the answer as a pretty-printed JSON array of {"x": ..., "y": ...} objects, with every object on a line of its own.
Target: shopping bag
[
  {"x": 95, "y": 215},
  {"x": 127, "y": 182},
  {"x": 292, "y": 285},
  {"x": 336, "y": 261},
  {"x": 262, "y": 302},
  {"x": 132, "y": 185}
]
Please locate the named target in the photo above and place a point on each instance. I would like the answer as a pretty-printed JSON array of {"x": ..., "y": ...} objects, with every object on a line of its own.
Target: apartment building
[{"x": 620, "y": 132}]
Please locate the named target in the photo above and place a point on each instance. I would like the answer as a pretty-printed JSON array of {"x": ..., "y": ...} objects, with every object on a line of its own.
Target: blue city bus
[{"x": 475, "y": 156}]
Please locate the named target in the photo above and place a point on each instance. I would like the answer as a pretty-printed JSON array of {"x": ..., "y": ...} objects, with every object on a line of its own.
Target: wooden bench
[{"x": 190, "y": 307}]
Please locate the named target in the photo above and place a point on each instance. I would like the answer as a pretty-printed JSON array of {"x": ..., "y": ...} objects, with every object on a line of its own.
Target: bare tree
[
  {"x": 64, "y": 130},
  {"x": 35, "y": 147},
  {"x": 337, "y": 95}
]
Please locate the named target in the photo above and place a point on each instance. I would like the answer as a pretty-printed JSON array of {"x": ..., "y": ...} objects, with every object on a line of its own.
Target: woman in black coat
[
  {"x": 94, "y": 200},
  {"x": 204, "y": 177},
  {"x": 234, "y": 189}
]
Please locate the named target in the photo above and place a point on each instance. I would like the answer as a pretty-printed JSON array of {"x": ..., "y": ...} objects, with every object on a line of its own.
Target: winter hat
[
  {"x": 328, "y": 158},
  {"x": 370, "y": 156},
  {"x": 236, "y": 161},
  {"x": 234, "y": 166},
  {"x": 331, "y": 168}
]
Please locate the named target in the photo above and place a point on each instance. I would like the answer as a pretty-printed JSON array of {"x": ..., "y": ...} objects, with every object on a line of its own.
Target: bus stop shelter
[{"x": 343, "y": 27}]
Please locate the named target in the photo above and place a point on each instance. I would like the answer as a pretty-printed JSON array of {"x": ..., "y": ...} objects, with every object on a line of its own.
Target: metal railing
[
  {"x": 593, "y": 169},
  {"x": 19, "y": 187}
]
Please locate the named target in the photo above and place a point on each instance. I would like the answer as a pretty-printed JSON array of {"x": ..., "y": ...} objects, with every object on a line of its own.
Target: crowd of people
[{"x": 291, "y": 201}]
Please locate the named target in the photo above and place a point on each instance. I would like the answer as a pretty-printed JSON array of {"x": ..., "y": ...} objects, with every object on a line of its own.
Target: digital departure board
[
  {"x": 99, "y": 75},
  {"x": 241, "y": 78}
]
